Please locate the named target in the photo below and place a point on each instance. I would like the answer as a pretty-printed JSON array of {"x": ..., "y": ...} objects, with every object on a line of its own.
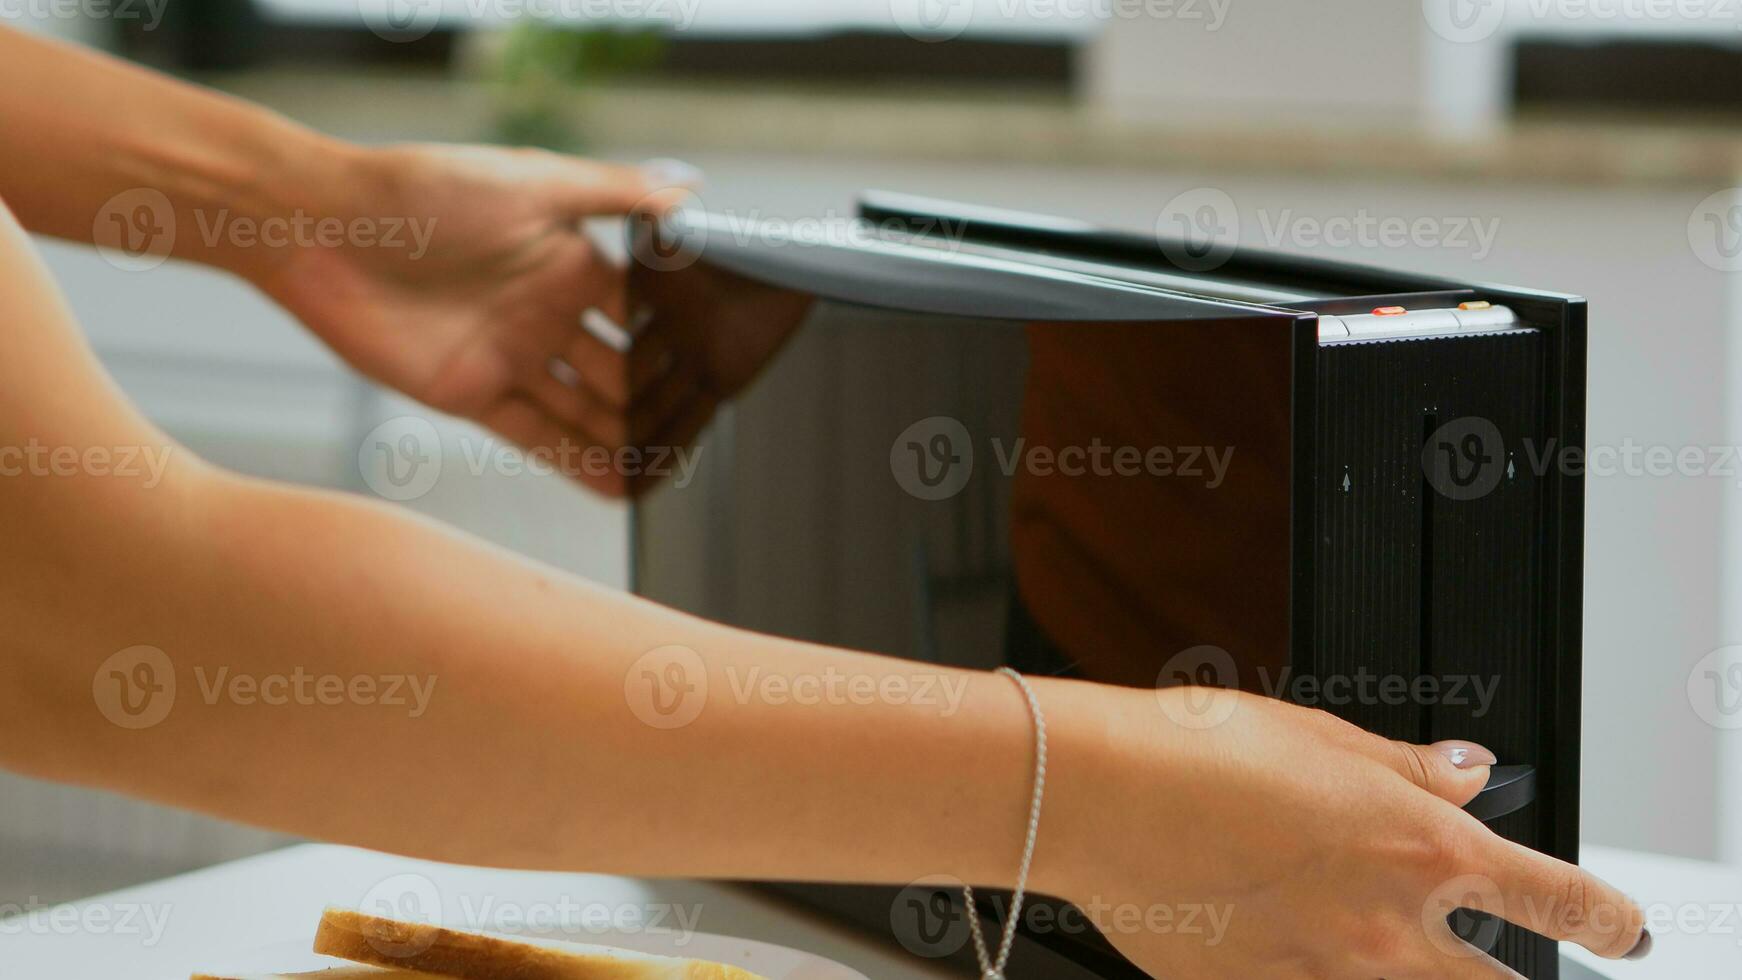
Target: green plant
[{"x": 541, "y": 65}]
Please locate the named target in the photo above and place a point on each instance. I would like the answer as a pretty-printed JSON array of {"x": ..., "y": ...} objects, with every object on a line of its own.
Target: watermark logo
[
  {"x": 929, "y": 917},
  {"x": 1465, "y": 458},
  {"x": 415, "y": 899},
  {"x": 1715, "y": 230},
  {"x": 668, "y": 230},
  {"x": 1451, "y": 922},
  {"x": 135, "y": 688},
  {"x": 410, "y": 900},
  {"x": 401, "y": 21},
  {"x": 1464, "y": 21},
  {"x": 1198, "y": 229},
  {"x": 135, "y": 230},
  {"x": 933, "y": 459},
  {"x": 1468, "y": 458},
  {"x": 667, "y": 687},
  {"x": 1196, "y": 687},
  {"x": 401, "y": 459},
  {"x": 932, "y": 20},
  {"x": 1715, "y": 688},
  {"x": 671, "y": 228},
  {"x": 1475, "y": 21}
]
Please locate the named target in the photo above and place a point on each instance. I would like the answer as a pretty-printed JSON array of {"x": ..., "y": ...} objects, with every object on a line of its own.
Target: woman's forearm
[
  {"x": 442, "y": 698},
  {"x": 101, "y": 151}
]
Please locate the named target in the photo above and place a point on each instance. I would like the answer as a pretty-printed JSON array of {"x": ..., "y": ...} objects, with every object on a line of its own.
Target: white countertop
[
  {"x": 270, "y": 903},
  {"x": 228, "y": 915}
]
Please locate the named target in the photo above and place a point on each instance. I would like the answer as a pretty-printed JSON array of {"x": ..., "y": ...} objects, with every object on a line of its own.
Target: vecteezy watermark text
[
  {"x": 1198, "y": 229},
  {"x": 1365, "y": 687},
  {"x": 945, "y": 20},
  {"x": 1194, "y": 685},
  {"x": 1363, "y": 229},
  {"x": 301, "y": 687},
  {"x": 36, "y": 918},
  {"x": 675, "y": 236},
  {"x": 137, "y": 230},
  {"x": 933, "y": 459},
  {"x": 402, "y": 459},
  {"x": 1469, "y": 457},
  {"x": 1472, "y": 21},
  {"x": 414, "y": 897},
  {"x": 302, "y": 230},
  {"x": 668, "y": 687},
  {"x": 137, "y": 688},
  {"x": 144, "y": 463},
  {"x": 148, "y": 13},
  {"x": 831, "y": 686},
  {"x": 930, "y": 919},
  {"x": 404, "y": 21}
]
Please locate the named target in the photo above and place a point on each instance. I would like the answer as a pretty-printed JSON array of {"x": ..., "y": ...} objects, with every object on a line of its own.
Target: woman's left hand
[{"x": 460, "y": 276}]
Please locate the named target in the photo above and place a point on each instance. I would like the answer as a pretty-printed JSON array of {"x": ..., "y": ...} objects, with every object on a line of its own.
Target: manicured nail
[
  {"x": 1643, "y": 948},
  {"x": 666, "y": 172},
  {"x": 1465, "y": 755}
]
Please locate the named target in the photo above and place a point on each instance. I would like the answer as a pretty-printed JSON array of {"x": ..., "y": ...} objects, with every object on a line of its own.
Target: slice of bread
[
  {"x": 463, "y": 955},
  {"x": 336, "y": 973}
]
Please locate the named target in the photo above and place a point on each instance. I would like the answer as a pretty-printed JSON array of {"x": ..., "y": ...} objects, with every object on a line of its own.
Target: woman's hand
[
  {"x": 475, "y": 304},
  {"x": 1297, "y": 845},
  {"x": 455, "y": 274}
]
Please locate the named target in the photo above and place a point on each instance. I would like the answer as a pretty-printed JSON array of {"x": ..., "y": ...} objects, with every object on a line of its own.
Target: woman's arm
[
  {"x": 454, "y": 274},
  {"x": 83, "y": 128}
]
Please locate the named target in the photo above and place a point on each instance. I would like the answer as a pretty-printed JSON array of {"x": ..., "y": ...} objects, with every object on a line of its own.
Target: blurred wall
[{"x": 1270, "y": 61}]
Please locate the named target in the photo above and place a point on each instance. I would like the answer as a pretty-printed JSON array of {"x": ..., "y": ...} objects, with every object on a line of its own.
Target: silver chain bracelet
[{"x": 994, "y": 969}]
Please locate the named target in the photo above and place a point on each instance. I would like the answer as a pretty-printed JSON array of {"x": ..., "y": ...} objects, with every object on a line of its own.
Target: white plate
[{"x": 766, "y": 959}]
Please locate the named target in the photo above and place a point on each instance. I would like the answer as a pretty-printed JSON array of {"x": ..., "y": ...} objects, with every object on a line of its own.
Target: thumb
[
  {"x": 1454, "y": 771},
  {"x": 590, "y": 189}
]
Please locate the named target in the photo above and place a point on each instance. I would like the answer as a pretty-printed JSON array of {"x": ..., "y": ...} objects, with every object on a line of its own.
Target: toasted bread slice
[
  {"x": 334, "y": 973},
  {"x": 465, "y": 955}
]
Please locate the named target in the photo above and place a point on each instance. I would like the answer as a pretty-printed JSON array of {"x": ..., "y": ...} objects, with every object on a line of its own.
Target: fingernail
[
  {"x": 666, "y": 172},
  {"x": 1643, "y": 948},
  {"x": 606, "y": 330},
  {"x": 1466, "y": 755}
]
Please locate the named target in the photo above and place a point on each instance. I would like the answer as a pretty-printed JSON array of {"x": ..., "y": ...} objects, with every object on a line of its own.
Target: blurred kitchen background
[{"x": 1590, "y": 148}]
